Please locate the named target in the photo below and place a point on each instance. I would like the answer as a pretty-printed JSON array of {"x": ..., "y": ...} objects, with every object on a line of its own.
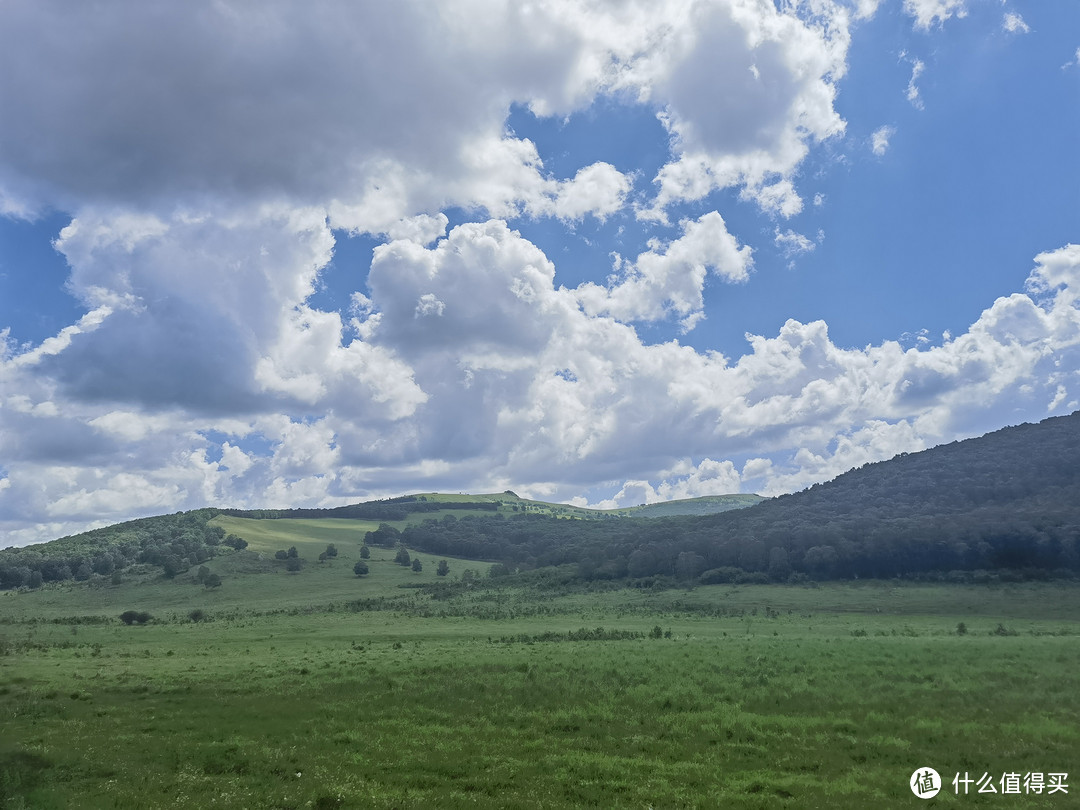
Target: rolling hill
[{"x": 1004, "y": 505}]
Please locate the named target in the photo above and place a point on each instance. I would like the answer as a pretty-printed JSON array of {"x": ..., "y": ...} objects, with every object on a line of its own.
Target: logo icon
[{"x": 925, "y": 783}]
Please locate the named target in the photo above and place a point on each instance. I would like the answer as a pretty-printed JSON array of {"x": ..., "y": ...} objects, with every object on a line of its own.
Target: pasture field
[{"x": 319, "y": 689}]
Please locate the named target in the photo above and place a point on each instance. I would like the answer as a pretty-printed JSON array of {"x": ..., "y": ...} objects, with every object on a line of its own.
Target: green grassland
[{"x": 320, "y": 689}]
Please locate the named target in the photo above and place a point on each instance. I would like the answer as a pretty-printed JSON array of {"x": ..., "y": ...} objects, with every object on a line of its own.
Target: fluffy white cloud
[
  {"x": 927, "y": 13},
  {"x": 523, "y": 387},
  {"x": 381, "y": 112},
  {"x": 1014, "y": 23},
  {"x": 912, "y": 93},
  {"x": 879, "y": 140},
  {"x": 670, "y": 279},
  {"x": 793, "y": 244}
]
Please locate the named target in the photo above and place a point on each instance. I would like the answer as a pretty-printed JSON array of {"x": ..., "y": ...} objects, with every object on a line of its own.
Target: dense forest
[{"x": 1005, "y": 505}]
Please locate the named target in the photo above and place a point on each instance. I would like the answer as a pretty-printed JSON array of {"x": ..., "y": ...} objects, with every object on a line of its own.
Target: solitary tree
[
  {"x": 293, "y": 553},
  {"x": 417, "y": 565},
  {"x": 365, "y": 552},
  {"x": 212, "y": 581},
  {"x": 294, "y": 564},
  {"x": 402, "y": 557},
  {"x": 443, "y": 569},
  {"x": 331, "y": 550},
  {"x": 361, "y": 568}
]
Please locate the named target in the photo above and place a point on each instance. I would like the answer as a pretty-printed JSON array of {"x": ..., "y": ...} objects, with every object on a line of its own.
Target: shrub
[
  {"x": 294, "y": 564},
  {"x": 752, "y": 578},
  {"x": 212, "y": 581},
  {"x": 198, "y": 615},
  {"x": 718, "y": 576},
  {"x": 282, "y": 554},
  {"x": 130, "y": 617},
  {"x": 443, "y": 569}
]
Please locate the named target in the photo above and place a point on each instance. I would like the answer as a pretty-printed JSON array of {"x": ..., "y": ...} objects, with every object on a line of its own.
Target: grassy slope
[
  {"x": 251, "y": 580},
  {"x": 510, "y": 504},
  {"x": 763, "y": 696}
]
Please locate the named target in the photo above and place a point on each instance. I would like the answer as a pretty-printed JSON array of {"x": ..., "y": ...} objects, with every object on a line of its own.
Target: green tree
[
  {"x": 386, "y": 536},
  {"x": 281, "y": 554},
  {"x": 361, "y": 568},
  {"x": 212, "y": 581},
  {"x": 688, "y": 565},
  {"x": 402, "y": 556},
  {"x": 779, "y": 567},
  {"x": 331, "y": 550},
  {"x": 293, "y": 553},
  {"x": 294, "y": 564},
  {"x": 417, "y": 565},
  {"x": 235, "y": 542},
  {"x": 443, "y": 569},
  {"x": 174, "y": 565},
  {"x": 365, "y": 552}
]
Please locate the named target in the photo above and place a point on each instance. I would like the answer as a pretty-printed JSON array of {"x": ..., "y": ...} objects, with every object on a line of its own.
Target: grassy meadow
[{"x": 320, "y": 689}]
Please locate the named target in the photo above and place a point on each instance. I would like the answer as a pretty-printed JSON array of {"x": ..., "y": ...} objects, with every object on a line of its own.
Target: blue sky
[{"x": 597, "y": 253}]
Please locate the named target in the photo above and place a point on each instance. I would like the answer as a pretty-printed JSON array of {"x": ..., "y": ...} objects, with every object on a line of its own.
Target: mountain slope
[{"x": 1007, "y": 502}]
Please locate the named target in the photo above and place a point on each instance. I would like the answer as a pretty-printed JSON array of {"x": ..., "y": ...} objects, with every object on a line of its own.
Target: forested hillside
[
  {"x": 1004, "y": 505},
  {"x": 173, "y": 542}
]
